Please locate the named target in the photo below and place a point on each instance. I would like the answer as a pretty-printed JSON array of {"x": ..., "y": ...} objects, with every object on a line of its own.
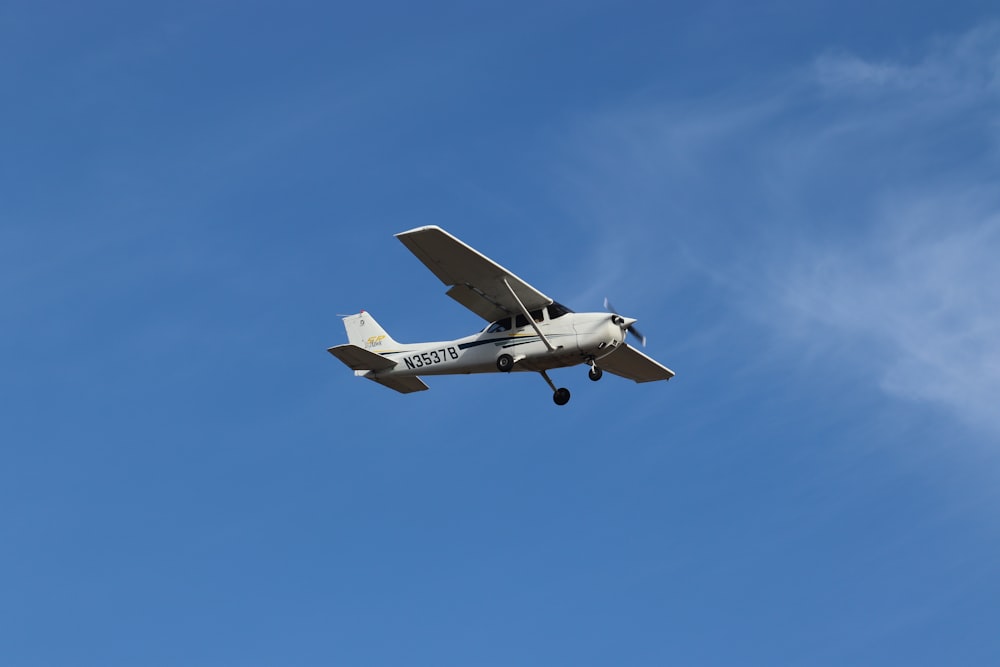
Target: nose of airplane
[
  {"x": 623, "y": 322},
  {"x": 628, "y": 324}
]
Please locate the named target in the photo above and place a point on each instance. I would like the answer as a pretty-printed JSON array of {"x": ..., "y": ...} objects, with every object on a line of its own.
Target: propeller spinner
[{"x": 626, "y": 323}]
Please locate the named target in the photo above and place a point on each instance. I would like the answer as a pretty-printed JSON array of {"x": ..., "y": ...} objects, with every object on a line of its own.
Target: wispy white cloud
[
  {"x": 633, "y": 175},
  {"x": 840, "y": 72},
  {"x": 866, "y": 187},
  {"x": 917, "y": 300},
  {"x": 968, "y": 64},
  {"x": 916, "y": 293}
]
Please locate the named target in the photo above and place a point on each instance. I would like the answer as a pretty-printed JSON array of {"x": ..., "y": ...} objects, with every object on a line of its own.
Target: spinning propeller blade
[{"x": 621, "y": 320}]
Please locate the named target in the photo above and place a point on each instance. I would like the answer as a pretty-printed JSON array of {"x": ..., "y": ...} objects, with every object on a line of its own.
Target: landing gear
[
  {"x": 561, "y": 395},
  {"x": 505, "y": 363},
  {"x": 595, "y": 373}
]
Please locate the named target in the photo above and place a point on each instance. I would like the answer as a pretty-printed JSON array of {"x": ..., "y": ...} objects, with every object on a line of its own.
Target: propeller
[{"x": 626, "y": 323}]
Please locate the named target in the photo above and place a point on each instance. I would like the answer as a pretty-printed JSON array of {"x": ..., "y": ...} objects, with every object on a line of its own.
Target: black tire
[
  {"x": 595, "y": 373},
  {"x": 561, "y": 397},
  {"x": 505, "y": 363}
]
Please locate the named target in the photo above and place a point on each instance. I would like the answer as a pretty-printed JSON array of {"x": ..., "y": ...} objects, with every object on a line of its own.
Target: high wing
[
  {"x": 476, "y": 281},
  {"x": 630, "y": 363}
]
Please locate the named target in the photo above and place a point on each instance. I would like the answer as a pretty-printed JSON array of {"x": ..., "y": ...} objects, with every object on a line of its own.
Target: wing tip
[{"x": 423, "y": 228}]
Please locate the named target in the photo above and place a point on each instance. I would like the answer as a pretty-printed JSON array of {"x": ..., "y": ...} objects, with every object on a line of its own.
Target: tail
[
  {"x": 366, "y": 333},
  {"x": 368, "y": 341}
]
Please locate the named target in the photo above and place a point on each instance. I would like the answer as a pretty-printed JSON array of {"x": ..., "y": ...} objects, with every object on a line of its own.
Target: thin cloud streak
[
  {"x": 918, "y": 292},
  {"x": 969, "y": 63},
  {"x": 919, "y": 301},
  {"x": 848, "y": 206}
]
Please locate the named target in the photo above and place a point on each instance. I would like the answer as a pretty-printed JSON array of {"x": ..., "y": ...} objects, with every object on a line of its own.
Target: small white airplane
[{"x": 527, "y": 330}]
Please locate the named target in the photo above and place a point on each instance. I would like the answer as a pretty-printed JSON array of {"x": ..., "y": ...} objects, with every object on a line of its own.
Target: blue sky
[{"x": 799, "y": 201}]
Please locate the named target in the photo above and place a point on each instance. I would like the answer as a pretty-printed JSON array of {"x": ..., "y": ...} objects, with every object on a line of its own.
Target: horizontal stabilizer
[
  {"x": 404, "y": 385},
  {"x": 360, "y": 359}
]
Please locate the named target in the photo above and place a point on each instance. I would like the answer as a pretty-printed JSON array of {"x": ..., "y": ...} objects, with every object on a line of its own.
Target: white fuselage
[{"x": 576, "y": 337}]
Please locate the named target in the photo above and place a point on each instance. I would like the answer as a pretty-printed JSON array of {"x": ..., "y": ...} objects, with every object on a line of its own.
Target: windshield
[{"x": 557, "y": 310}]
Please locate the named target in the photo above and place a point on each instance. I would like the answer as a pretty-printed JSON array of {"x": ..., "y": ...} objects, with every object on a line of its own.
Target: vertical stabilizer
[{"x": 365, "y": 332}]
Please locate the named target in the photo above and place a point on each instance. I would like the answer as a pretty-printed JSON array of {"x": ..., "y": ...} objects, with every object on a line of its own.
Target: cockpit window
[
  {"x": 557, "y": 310},
  {"x": 499, "y": 326}
]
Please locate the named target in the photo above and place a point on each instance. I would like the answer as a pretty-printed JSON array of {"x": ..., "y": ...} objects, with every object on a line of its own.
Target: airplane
[{"x": 526, "y": 330}]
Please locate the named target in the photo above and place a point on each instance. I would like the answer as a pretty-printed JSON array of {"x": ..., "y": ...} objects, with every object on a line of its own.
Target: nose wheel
[
  {"x": 595, "y": 373},
  {"x": 560, "y": 395}
]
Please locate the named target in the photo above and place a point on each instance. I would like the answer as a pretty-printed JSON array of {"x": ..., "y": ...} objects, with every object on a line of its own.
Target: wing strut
[{"x": 527, "y": 316}]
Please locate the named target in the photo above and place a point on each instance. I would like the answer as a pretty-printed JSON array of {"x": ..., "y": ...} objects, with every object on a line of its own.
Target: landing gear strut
[{"x": 560, "y": 395}]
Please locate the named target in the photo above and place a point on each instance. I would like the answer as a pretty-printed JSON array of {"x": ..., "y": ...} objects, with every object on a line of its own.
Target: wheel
[
  {"x": 595, "y": 373},
  {"x": 561, "y": 397},
  {"x": 505, "y": 363}
]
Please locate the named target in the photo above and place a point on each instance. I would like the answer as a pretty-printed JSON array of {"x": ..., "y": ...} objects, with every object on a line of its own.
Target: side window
[
  {"x": 499, "y": 326},
  {"x": 520, "y": 320}
]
